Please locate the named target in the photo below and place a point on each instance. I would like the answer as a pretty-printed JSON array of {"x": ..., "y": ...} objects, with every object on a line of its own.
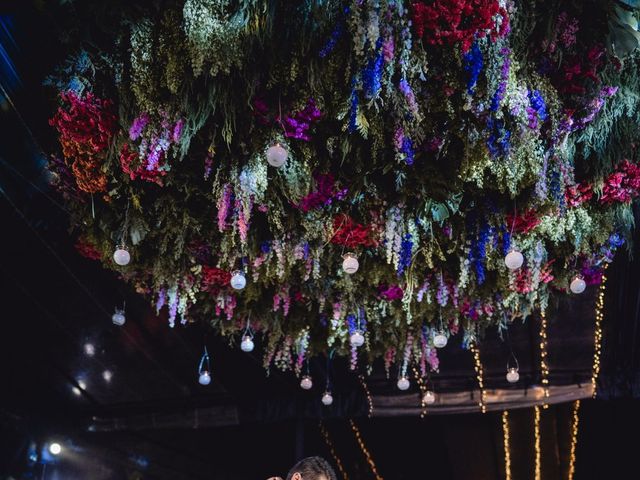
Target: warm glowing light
[
  {"x": 365, "y": 451},
  {"x": 477, "y": 364},
  {"x": 507, "y": 445},
  {"x": 544, "y": 366},
  {"x": 597, "y": 341},
  {"x": 574, "y": 439},
  {"x": 365, "y": 387},
  {"x": 536, "y": 433},
  {"x": 332, "y": 450}
]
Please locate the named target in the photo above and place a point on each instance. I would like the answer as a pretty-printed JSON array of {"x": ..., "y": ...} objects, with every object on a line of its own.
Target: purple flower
[
  {"x": 177, "y": 130},
  {"x": 139, "y": 123}
]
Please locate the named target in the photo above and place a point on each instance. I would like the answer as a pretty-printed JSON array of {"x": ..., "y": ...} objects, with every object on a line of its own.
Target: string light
[
  {"x": 597, "y": 341},
  {"x": 536, "y": 433},
  {"x": 574, "y": 439},
  {"x": 365, "y": 387},
  {"x": 332, "y": 451},
  {"x": 365, "y": 451},
  {"x": 544, "y": 365},
  {"x": 482, "y": 403},
  {"x": 507, "y": 445}
]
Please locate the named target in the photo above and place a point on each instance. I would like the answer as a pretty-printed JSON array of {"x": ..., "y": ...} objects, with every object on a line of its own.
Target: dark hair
[{"x": 311, "y": 468}]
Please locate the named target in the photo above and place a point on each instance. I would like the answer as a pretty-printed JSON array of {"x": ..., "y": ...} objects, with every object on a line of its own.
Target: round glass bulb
[
  {"x": 429, "y": 397},
  {"x": 118, "y": 318},
  {"x": 306, "y": 383},
  {"x": 121, "y": 256},
  {"x": 578, "y": 285},
  {"x": 247, "y": 344},
  {"x": 439, "y": 340},
  {"x": 513, "y": 260},
  {"x": 350, "y": 263},
  {"x": 277, "y": 155},
  {"x": 55, "y": 448},
  {"x": 403, "y": 383},
  {"x": 327, "y": 398},
  {"x": 512, "y": 375},
  {"x": 238, "y": 280},
  {"x": 204, "y": 378},
  {"x": 356, "y": 339}
]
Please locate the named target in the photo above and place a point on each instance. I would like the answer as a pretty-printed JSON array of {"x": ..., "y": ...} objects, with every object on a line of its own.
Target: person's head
[{"x": 312, "y": 468}]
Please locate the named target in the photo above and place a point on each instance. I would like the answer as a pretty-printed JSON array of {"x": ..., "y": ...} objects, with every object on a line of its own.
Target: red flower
[
  {"x": 214, "y": 278},
  {"x": 523, "y": 223},
  {"x": 87, "y": 249},
  {"x": 351, "y": 234},
  {"x": 86, "y": 127},
  {"x": 622, "y": 185},
  {"x": 132, "y": 166},
  {"x": 576, "y": 195},
  {"x": 447, "y": 22}
]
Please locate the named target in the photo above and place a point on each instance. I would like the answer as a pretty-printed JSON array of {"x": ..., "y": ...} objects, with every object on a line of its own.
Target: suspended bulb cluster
[
  {"x": 350, "y": 263},
  {"x": 514, "y": 259},
  {"x": 277, "y": 155},
  {"x": 357, "y": 339},
  {"x": 247, "y": 344},
  {"x": 403, "y": 383},
  {"x": 429, "y": 397},
  {"x": 238, "y": 280},
  {"x": 118, "y": 317},
  {"x": 204, "y": 377},
  {"x": 513, "y": 375},
  {"x": 577, "y": 285},
  {"x": 440, "y": 339},
  {"x": 121, "y": 255},
  {"x": 306, "y": 383}
]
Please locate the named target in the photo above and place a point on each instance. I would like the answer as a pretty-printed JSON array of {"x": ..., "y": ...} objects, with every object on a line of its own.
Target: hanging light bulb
[
  {"x": 439, "y": 339},
  {"x": 247, "y": 344},
  {"x": 356, "y": 339},
  {"x": 403, "y": 383},
  {"x": 238, "y": 280},
  {"x": 514, "y": 259},
  {"x": 512, "y": 375},
  {"x": 306, "y": 383},
  {"x": 121, "y": 256},
  {"x": 350, "y": 263},
  {"x": 118, "y": 317},
  {"x": 327, "y": 398},
  {"x": 277, "y": 155},
  {"x": 578, "y": 285},
  {"x": 429, "y": 397},
  {"x": 204, "y": 378}
]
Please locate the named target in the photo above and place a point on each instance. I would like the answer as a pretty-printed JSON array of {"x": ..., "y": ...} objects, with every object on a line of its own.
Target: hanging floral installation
[{"x": 335, "y": 168}]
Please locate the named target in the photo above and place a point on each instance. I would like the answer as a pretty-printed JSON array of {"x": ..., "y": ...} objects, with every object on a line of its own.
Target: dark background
[{"x": 153, "y": 421}]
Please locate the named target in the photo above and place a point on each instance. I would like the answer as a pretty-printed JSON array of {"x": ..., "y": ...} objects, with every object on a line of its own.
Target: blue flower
[{"x": 473, "y": 64}]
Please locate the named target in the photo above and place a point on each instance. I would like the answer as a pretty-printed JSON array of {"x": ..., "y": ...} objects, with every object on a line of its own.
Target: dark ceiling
[{"x": 143, "y": 377}]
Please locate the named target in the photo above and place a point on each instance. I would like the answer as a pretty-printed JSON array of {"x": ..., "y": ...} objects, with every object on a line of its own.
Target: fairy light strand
[
  {"x": 544, "y": 364},
  {"x": 575, "y": 420},
  {"x": 597, "y": 341},
  {"x": 536, "y": 433},
  {"x": 423, "y": 389},
  {"x": 507, "y": 445},
  {"x": 365, "y": 451},
  {"x": 365, "y": 387},
  {"x": 482, "y": 403},
  {"x": 332, "y": 451}
]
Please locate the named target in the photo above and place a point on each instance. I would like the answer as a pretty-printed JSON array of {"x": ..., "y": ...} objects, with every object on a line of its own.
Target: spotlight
[
  {"x": 89, "y": 349},
  {"x": 107, "y": 375},
  {"x": 76, "y": 391},
  {"x": 55, "y": 448}
]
